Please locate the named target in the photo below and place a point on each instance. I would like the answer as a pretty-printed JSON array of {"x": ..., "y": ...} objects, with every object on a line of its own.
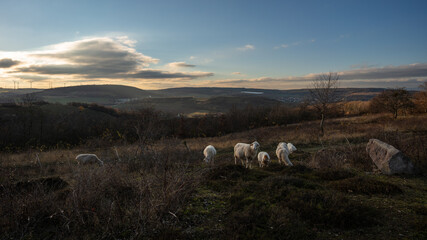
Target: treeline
[
  {"x": 43, "y": 125},
  {"x": 37, "y": 124}
]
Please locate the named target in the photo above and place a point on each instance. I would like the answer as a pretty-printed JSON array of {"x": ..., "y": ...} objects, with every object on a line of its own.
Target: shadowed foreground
[{"x": 165, "y": 191}]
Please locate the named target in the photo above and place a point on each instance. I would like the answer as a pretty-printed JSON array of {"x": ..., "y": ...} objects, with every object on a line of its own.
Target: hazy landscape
[
  {"x": 154, "y": 183},
  {"x": 165, "y": 119},
  {"x": 178, "y": 100}
]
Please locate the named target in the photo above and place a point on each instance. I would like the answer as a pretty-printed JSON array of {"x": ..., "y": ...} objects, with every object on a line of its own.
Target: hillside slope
[
  {"x": 101, "y": 94},
  {"x": 180, "y": 100},
  {"x": 191, "y": 105}
]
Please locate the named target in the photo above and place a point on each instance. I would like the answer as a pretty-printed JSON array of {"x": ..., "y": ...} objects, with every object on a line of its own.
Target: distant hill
[
  {"x": 199, "y": 92},
  {"x": 185, "y": 100},
  {"x": 288, "y": 96},
  {"x": 8, "y": 95},
  {"x": 101, "y": 94}
]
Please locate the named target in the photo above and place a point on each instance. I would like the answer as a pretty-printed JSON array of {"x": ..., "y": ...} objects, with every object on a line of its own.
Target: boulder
[{"x": 389, "y": 159}]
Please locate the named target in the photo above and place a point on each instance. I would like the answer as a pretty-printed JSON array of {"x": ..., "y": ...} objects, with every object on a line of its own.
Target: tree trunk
[{"x": 321, "y": 125}]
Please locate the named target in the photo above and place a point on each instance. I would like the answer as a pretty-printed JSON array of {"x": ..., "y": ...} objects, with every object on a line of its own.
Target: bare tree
[
  {"x": 323, "y": 93},
  {"x": 392, "y": 100},
  {"x": 29, "y": 99}
]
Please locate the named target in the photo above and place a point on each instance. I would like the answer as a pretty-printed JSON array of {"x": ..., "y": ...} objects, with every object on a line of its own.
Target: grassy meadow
[{"x": 163, "y": 190}]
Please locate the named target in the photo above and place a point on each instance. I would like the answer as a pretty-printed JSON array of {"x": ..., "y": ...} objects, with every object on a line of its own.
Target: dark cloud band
[
  {"x": 7, "y": 63},
  {"x": 101, "y": 58}
]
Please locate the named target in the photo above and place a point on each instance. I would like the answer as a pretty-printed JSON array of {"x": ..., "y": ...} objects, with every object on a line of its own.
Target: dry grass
[
  {"x": 163, "y": 190},
  {"x": 132, "y": 198}
]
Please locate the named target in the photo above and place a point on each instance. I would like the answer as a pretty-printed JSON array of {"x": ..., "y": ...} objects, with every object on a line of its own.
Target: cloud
[
  {"x": 287, "y": 45},
  {"x": 126, "y": 41},
  {"x": 32, "y": 78},
  {"x": 92, "y": 59},
  {"x": 282, "y": 46},
  {"x": 180, "y": 65},
  {"x": 246, "y": 47},
  {"x": 295, "y": 44},
  {"x": 409, "y": 76},
  {"x": 403, "y": 71},
  {"x": 236, "y": 73},
  {"x": 156, "y": 74},
  {"x": 7, "y": 63}
]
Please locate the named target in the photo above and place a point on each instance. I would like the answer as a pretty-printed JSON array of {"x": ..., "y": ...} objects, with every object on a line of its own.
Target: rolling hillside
[
  {"x": 289, "y": 96},
  {"x": 186, "y": 100},
  {"x": 191, "y": 105},
  {"x": 101, "y": 94}
]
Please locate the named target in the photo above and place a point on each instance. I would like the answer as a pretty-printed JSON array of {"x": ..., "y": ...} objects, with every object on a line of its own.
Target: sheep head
[
  {"x": 266, "y": 159},
  {"x": 255, "y": 146},
  {"x": 291, "y": 148}
]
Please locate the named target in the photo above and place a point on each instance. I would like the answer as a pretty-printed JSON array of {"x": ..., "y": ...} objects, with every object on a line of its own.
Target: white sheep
[
  {"x": 88, "y": 158},
  {"x": 209, "y": 153},
  {"x": 263, "y": 159},
  {"x": 283, "y": 150},
  {"x": 247, "y": 152}
]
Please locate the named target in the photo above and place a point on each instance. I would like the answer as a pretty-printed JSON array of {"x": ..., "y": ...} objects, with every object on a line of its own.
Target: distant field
[{"x": 190, "y": 105}]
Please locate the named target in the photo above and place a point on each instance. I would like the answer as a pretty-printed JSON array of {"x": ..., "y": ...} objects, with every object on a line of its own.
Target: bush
[{"x": 342, "y": 157}]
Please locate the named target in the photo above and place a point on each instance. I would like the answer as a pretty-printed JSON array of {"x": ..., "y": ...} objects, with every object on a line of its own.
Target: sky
[{"x": 203, "y": 43}]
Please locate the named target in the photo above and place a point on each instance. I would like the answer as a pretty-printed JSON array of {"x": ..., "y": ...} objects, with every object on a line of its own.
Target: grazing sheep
[
  {"x": 209, "y": 153},
  {"x": 283, "y": 150},
  {"x": 88, "y": 158},
  {"x": 263, "y": 159},
  {"x": 247, "y": 152}
]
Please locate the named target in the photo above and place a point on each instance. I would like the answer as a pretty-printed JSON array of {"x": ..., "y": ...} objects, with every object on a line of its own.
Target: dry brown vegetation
[{"x": 162, "y": 189}]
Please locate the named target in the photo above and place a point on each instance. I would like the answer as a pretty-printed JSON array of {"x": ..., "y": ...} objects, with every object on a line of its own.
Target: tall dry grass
[{"x": 136, "y": 197}]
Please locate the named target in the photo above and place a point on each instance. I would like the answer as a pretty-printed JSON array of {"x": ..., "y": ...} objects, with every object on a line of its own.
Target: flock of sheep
[{"x": 246, "y": 153}]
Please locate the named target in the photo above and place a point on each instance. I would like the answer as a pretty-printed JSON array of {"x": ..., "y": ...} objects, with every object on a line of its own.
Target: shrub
[{"x": 342, "y": 157}]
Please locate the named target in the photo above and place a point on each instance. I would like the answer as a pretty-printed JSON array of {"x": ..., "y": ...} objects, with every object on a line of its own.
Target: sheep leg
[{"x": 288, "y": 162}]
